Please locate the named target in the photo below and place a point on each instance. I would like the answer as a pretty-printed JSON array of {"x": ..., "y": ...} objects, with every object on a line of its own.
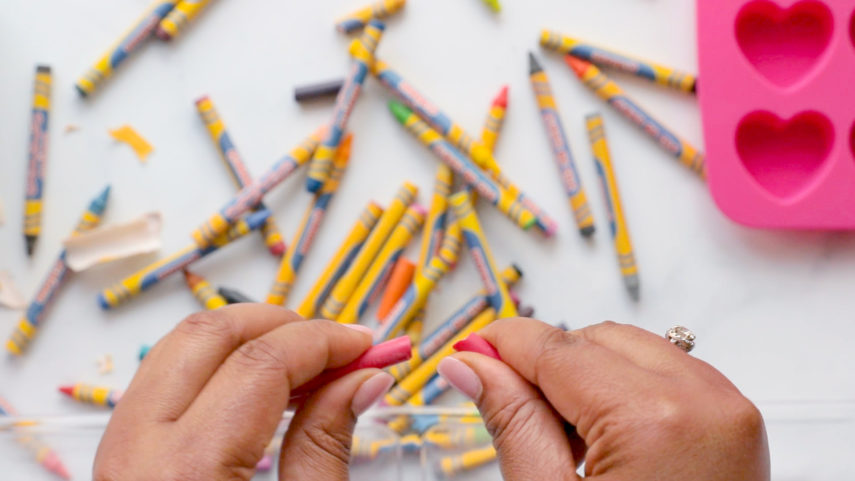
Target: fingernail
[
  {"x": 461, "y": 376},
  {"x": 360, "y": 328},
  {"x": 370, "y": 392}
]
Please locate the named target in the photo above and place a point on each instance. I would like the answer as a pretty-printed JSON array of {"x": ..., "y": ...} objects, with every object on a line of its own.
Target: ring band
[{"x": 681, "y": 337}]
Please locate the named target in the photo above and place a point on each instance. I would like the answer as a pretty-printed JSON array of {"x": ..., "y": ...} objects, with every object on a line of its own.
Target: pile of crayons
[{"x": 369, "y": 268}]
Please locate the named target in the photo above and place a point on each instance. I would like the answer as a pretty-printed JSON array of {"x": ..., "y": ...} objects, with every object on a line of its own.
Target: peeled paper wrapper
[
  {"x": 10, "y": 295},
  {"x": 114, "y": 242}
]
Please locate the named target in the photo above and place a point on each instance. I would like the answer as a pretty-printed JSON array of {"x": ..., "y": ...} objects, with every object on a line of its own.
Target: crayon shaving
[
  {"x": 113, "y": 242},
  {"x": 71, "y": 128},
  {"x": 105, "y": 364},
  {"x": 10, "y": 295},
  {"x": 128, "y": 135}
]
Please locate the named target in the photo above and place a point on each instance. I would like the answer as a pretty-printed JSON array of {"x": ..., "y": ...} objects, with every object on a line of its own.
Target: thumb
[
  {"x": 527, "y": 433},
  {"x": 317, "y": 444}
]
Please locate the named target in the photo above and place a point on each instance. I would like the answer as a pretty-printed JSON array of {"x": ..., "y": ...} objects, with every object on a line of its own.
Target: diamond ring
[{"x": 681, "y": 337}]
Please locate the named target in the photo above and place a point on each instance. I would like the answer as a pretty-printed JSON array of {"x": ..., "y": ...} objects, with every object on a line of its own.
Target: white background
[{"x": 772, "y": 310}]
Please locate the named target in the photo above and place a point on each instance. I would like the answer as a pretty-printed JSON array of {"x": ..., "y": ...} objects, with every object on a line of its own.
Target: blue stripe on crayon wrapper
[
  {"x": 433, "y": 341},
  {"x": 611, "y": 59},
  {"x": 415, "y": 101},
  {"x": 663, "y": 136},
  {"x": 395, "y": 316},
  {"x": 349, "y": 25},
  {"x": 47, "y": 291},
  {"x": 38, "y": 152},
  {"x": 140, "y": 32},
  {"x": 233, "y": 159},
  {"x": 561, "y": 151},
  {"x": 176, "y": 265},
  {"x": 423, "y": 422},
  {"x": 491, "y": 283},
  {"x": 374, "y": 290},
  {"x": 348, "y": 259},
  {"x": 306, "y": 237},
  {"x": 435, "y": 237},
  {"x": 471, "y": 174},
  {"x": 606, "y": 195},
  {"x": 435, "y": 388}
]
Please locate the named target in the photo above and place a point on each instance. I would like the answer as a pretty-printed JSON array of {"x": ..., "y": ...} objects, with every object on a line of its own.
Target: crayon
[
  {"x": 425, "y": 396},
  {"x": 144, "y": 351},
  {"x": 44, "y": 454},
  {"x": 89, "y": 394},
  {"x": 445, "y": 331},
  {"x": 348, "y": 282},
  {"x": 147, "y": 277},
  {"x": 494, "y": 4},
  {"x": 495, "y": 119},
  {"x": 251, "y": 195},
  {"x": 183, "y": 13},
  {"x": 435, "y": 222},
  {"x": 305, "y": 235},
  {"x": 234, "y": 296},
  {"x": 454, "y": 437},
  {"x": 380, "y": 356},
  {"x": 476, "y": 343},
  {"x": 318, "y": 90},
  {"x": 654, "y": 72},
  {"x": 475, "y": 458},
  {"x": 569, "y": 174},
  {"x": 423, "y": 284},
  {"x": 471, "y": 174},
  {"x": 32, "y": 319},
  {"x": 399, "y": 280},
  {"x": 422, "y": 423},
  {"x": 611, "y": 195},
  {"x": 496, "y": 289},
  {"x": 362, "y": 449},
  {"x": 37, "y": 160},
  {"x": 375, "y": 277},
  {"x": 362, "y": 51},
  {"x": 358, "y": 19},
  {"x": 127, "y": 44},
  {"x": 341, "y": 260},
  {"x": 526, "y": 311},
  {"x": 422, "y": 374},
  {"x": 233, "y": 160},
  {"x": 611, "y": 92},
  {"x": 415, "y": 329},
  {"x": 203, "y": 291},
  {"x": 454, "y": 133}
]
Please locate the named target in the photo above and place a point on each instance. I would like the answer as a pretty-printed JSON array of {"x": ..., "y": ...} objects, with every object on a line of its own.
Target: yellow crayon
[
  {"x": 654, "y": 72},
  {"x": 37, "y": 160},
  {"x": 183, "y": 13},
  {"x": 451, "y": 465},
  {"x": 343, "y": 289},
  {"x": 453, "y": 437},
  {"x": 495, "y": 119},
  {"x": 416, "y": 327},
  {"x": 422, "y": 374},
  {"x": 497, "y": 290},
  {"x": 617, "y": 220},
  {"x": 435, "y": 222},
  {"x": 371, "y": 284},
  {"x": 416, "y": 296},
  {"x": 341, "y": 260},
  {"x": 98, "y": 395},
  {"x": 358, "y": 19},
  {"x": 305, "y": 235},
  {"x": 462, "y": 316},
  {"x": 204, "y": 291},
  {"x": 127, "y": 44},
  {"x": 364, "y": 449},
  {"x": 237, "y": 168}
]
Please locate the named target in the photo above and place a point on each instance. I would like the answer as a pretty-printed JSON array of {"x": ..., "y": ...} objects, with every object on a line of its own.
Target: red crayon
[
  {"x": 476, "y": 343},
  {"x": 380, "y": 356}
]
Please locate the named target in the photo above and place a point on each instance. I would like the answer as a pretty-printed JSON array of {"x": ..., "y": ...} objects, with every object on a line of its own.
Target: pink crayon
[
  {"x": 476, "y": 343},
  {"x": 380, "y": 356}
]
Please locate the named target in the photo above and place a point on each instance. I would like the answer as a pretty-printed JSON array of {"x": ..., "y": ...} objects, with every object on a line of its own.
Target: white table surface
[{"x": 772, "y": 310}]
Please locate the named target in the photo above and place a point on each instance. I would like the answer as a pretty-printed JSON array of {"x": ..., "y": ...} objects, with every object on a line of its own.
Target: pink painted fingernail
[
  {"x": 461, "y": 376},
  {"x": 360, "y": 328},
  {"x": 370, "y": 392}
]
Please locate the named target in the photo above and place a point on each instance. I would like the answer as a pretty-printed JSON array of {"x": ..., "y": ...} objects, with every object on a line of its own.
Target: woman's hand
[
  {"x": 209, "y": 396},
  {"x": 629, "y": 403}
]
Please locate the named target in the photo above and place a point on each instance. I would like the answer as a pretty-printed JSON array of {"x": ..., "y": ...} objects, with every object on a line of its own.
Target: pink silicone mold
[{"x": 777, "y": 95}]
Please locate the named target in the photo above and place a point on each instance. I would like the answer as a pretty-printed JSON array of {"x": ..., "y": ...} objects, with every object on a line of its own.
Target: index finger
[{"x": 581, "y": 379}]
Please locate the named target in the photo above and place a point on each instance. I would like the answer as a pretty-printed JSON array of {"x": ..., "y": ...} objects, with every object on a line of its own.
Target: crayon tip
[
  {"x": 313, "y": 185},
  {"x": 277, "y": 249},
  {"x": 633, "y": 287},
  {"x": 694, "y": 88},
  {"x": 191, "y": 278},
  {"x": 67, "y": 390},
  {"x": 201, "y": 99},
  {"x": 400, "y": 111},
  {"x": 43, "y": 68},
  {"x": 144, "y": 351},
  {"x": 588, "y": 231},
  {"x": 578, "y": 65},
  {"x": 526, "y": 311},
  {"x": 517, "y": 268},
  {"x": 81, "y": 91},
  {"x": 103, "y": 303},
  {"x": 163, "y": 34},
  {"x": 533, "y": 65},
  {"x": 31, "y": 244},
  {"x": 377, "y": 24},
  {"x": 501, "y": 100}
]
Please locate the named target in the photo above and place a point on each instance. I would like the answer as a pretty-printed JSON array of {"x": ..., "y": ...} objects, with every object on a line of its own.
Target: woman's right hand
[{"x": 629, "y": 403}]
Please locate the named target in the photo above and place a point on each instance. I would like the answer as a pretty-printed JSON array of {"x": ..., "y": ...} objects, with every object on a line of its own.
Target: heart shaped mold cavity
[
  {"x": 783, "y": 156},
  {"x": 784, "y": 44}
]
